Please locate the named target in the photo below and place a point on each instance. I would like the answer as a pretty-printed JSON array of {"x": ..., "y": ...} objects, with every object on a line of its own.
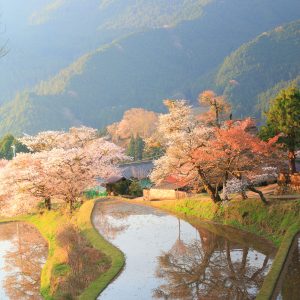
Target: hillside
[
  {"x": 46, "y": 35},
  {"x": 255, "y": 72},
  {"x": 265, "y": 97},
  {"x": 151, "y": 13},
  {"x": 120, "y": 14},
  {"x": 143, "y": 68}
]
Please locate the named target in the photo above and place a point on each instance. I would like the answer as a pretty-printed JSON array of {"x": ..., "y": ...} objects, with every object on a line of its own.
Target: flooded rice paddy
[
  {"x": 168, "y": 258},
  {"x": 23, "y": 252}
]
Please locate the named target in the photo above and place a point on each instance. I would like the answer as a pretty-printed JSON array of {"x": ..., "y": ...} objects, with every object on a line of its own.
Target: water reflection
[
  {"x": 168, "y": 258},
  {"x": 23, "y": 252},
  {"x": 104, "y": 220},
  {"x": 211, "y": 268}
]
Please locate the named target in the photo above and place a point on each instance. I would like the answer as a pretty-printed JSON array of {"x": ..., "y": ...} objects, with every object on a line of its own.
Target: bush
[
  {"x": 126, "y": 187},
  {"x": 135, "y": 189},
  {"x": 120, "y": 188},
  {"x": 91, "y": 194}
]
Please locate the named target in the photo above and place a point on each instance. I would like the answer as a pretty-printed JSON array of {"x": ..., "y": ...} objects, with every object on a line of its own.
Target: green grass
[
  {"x": 271, "y": 221},
  {"x": 61, "y": 269}
]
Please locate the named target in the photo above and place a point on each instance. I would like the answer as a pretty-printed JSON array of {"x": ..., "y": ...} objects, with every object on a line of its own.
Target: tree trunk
[
  {"x": 214, "y": 195},
  {"x": 225, "y": 195},
  {"x": 261, "y": 195},
  {"x": 48, "y": 203},
  {"x": 244, "y": 195},
  {"x": 244, "y": 259},
  {"x": 292, "y": 161},
  {"x": 217, "y": 117}
]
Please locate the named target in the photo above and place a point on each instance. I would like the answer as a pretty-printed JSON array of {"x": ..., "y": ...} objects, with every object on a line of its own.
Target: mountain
[
  {"x": 265, "y": 97},
  {"x": 120, "y": 14},
  {"x": 256, "y": 71},
  {"x": 151, "y": 13},
  {"x": 44, "y": 36},
  {"x": 143, "y": 67}
]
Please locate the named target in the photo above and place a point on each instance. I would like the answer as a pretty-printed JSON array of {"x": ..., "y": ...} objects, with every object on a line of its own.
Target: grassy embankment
[
  {"x": 272, "y": 279},
  {"x": 73, "y": 248},
  {"x": 117, "y": 258},
  {"x": 271, "y": 221}
]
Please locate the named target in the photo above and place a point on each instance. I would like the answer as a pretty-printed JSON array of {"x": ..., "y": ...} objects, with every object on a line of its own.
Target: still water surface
[
  {"x": 23, "y": 252},
  {"x": 168, "y": 258}
]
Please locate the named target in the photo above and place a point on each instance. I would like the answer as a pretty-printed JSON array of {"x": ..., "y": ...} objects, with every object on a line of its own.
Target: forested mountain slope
[
  {"x": 258, "y": 69},
  {"x": 143, "y": 68},
  {"x": 46, "y": 35}
]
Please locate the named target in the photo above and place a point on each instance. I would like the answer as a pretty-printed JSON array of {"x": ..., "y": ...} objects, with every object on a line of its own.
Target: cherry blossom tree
[
  {"x": 242, "y": 184},
  {"x": 61, "y": 168},
  {"x": 181, "y": 135},
  {"x": 47, "y": 140},
  {"x": 237, "y": 154},
  {"x": 135, "y": 121},
  {"x": 27, "y": 175},
  {"x": 12, "y": 204},
  {"x": 210, "y": 156},
  {"x": 219, "y": 108},
  {"x": 3, "y": 163},
  {"x": 78, "y": 169}
]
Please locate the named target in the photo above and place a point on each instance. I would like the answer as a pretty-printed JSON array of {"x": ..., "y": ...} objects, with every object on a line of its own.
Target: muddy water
[
  {"x": 290, "y": 285},
  {"x": 168, "y": 258},
  {"x": 22, "y": 254}
]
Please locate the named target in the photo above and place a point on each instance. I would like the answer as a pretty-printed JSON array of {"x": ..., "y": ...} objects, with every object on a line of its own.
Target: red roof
[{"x": 179, "y": 182}]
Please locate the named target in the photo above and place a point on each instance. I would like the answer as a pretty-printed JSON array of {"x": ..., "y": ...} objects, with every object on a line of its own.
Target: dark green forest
[{"x": 254, "y": 73}]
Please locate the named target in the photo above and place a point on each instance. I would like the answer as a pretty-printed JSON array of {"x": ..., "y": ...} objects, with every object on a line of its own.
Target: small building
[
  {"x": 137, "y": 170},
  {"x": 133, "y": 171},
  {"x": 170, "y": 189}
]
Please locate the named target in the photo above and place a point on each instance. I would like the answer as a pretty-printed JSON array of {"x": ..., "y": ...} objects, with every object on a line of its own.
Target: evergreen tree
[
  {"x": 283, "y": 118},
  {"x": 131, "y": 148},
  {"x": 139, "y": 148},
  {"x": 102, "y": 132},
  {"x": 153, "y": 152},
  {"x": 9, "y": 146}
]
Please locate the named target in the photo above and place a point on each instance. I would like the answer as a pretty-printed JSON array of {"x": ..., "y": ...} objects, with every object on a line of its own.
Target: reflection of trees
[
  {"x": 179, "y": 246},
  {"x": 24, "y": 262},
  {"x": 209, "y": 269},
  {"x": 104, "y": 216},
  {"x": 244, "y": 280},
  {"x": 7, "y": 231}
]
